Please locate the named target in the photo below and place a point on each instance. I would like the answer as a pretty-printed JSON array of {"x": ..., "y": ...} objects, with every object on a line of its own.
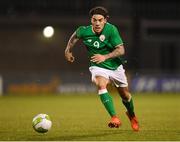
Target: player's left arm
[{"x": 118, "y": 51}]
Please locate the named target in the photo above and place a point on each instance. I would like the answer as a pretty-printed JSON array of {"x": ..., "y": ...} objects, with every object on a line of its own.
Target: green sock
[
  {"x": 129, "y": 106},
  {"x": 106, "y": 99}
]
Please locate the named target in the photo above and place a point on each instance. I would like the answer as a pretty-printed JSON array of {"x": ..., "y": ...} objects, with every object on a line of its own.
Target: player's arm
[
  {"x": 118, "y": 51},
  {"x": 68, "y": 53}
]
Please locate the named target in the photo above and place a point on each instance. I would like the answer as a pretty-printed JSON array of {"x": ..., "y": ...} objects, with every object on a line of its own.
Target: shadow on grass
[
  {"x": 99, "y": 135},
  {"x": 112, "y": 135}
]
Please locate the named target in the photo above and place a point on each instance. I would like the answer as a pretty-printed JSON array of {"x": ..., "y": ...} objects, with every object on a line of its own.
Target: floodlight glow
[{"x": 48, "y": 31}]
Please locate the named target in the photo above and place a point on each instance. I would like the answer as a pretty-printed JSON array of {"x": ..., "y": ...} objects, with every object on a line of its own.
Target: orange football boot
[
  {"x": 134, "y": 122},
  {"x": 115, "y": 122}
]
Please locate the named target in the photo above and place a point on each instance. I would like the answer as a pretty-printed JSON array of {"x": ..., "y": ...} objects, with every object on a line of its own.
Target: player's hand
[
  {"x": 69, "y": 57},
  {"x": 98, "y": 58}
]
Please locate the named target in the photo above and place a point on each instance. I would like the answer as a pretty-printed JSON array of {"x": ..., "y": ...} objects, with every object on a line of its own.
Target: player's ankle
[{"x": 114, "y": 116}]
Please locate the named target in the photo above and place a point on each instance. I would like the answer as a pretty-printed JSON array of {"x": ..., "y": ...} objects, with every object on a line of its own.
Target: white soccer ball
[{"x": 42, "y": 123}]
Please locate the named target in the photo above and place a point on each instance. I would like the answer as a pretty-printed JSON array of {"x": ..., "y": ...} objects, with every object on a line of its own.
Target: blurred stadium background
[{"x": 31, "y": 63}]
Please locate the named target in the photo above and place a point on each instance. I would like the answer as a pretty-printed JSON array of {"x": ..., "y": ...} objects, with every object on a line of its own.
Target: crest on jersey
[{"x": 102, "y": 37}]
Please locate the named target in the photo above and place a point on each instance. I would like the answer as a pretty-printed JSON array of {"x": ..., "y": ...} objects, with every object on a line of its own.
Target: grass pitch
[{"x": 81, "y": 117}]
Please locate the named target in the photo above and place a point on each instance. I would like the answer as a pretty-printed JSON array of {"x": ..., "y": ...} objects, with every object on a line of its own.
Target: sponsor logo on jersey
[
  {"x": 89, "y": 40},
  {"x": 102, "y": 37}
]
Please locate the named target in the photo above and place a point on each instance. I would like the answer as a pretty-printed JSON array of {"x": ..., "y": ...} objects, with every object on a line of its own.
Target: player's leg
[
  {"x": 119, "y": 79},
  {"x": 101, "y": 78},
  {"x": 106, "y": 99},
  {"x": 128, "y": 103},
  {"x": 126, "y": 99}
]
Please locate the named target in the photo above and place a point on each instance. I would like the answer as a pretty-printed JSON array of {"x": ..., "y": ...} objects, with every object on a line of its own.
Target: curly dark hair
[{"x": 99, "y": 10}]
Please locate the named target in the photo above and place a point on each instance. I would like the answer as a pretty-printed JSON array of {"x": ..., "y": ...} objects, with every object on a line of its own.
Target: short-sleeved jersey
[{"x": 103, "y": 43}]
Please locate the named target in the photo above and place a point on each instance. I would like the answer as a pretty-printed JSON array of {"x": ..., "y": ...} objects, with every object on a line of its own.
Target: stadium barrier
[
  {"x": 156, "y": 83},
  {"x": 76, "y": 82}
]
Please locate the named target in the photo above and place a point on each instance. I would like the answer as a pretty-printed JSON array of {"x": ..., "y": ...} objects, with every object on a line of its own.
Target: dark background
[{"x": 150, "y": 31}]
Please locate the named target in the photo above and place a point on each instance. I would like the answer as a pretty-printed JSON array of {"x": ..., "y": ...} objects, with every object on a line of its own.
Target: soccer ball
[{"x": 41, "y": 123}]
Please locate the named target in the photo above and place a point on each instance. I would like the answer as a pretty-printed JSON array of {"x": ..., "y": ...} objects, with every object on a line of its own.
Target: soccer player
[{"x": 105, "y": 48}]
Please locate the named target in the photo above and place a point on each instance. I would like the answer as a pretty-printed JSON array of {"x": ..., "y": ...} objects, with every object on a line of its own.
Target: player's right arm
[{"x": 68, "y": 52}]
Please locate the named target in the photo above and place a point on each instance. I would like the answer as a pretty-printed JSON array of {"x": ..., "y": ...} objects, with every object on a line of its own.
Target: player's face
[{"x": 98, "y": 22}]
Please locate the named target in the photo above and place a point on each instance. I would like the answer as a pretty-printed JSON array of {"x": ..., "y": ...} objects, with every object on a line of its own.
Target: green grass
[{"x": 82, "y": 117}]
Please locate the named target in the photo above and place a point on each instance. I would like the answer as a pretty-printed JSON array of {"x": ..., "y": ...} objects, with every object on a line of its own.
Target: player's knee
[{"x": 101, "y": 83}]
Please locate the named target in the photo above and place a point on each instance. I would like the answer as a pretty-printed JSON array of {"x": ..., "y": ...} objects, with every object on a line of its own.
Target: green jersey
[{"x": 103, "y": 43}]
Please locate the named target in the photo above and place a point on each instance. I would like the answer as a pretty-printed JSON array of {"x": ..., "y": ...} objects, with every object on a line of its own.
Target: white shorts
[{"x": 117, "y": 77}]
